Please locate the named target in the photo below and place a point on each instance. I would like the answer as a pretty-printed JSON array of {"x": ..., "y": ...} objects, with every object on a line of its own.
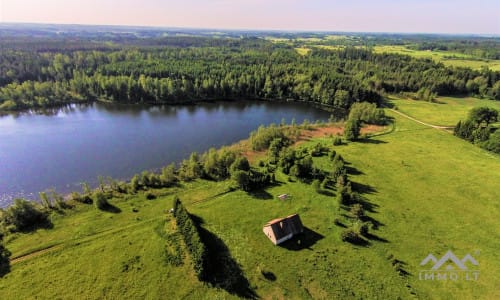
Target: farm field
[
  {"x": 448, "y": 58},
  {"x": 420, "y": 207}
]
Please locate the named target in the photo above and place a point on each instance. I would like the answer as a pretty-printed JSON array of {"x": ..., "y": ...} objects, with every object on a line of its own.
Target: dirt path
[
  {"x": 34, "y": 254},
  {"x": 78, "y": 241},
  {"x": 421, "y": 122}
]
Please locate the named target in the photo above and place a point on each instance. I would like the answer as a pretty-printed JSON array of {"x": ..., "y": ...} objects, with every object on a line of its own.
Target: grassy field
[
  {"x": 428, "y": 191},
  {"x": 448, "y": 58},
  {"x": 446, "y": 111}
]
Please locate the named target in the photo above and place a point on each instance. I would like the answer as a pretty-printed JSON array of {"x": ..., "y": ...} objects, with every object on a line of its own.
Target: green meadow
[
  {"x": 445, "y": 111},
  {"x": 425, "y": 190}
]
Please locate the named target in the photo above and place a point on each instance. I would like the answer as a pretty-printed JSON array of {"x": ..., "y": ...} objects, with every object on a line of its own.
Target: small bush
[
  {"x": 337, "y": 141},
  {"x": 4, "y": 259},
  {"x": 150, "y": 196},
  {"x": 23, "y": 215},
  {"x": 357, "y": 211},
  {"x": 351, "y": 236},
  {"x": 364, "y": 229},
  {"x": 338, "y": 222},
  {"x": 100, "y": 201}
]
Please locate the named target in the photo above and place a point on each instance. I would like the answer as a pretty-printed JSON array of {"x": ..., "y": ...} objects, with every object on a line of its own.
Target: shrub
[
  {"x": 263, "y": 136},
  {"x": 364, "y": 229},
  {"x": 337, "y": 141},
  {"x": 100, "y": 201},
  {"x": 23, "y": 215},
  {"x": 150, "y": 196},
  {"x": 351, "y": 236},
  {"x": 81, "y": 198},
  {"x": 351, "y": 130},
  {"x": 4, "y": 259},
  {"x": 357, "y": 211},
  {"x": 191, "y": 237}
]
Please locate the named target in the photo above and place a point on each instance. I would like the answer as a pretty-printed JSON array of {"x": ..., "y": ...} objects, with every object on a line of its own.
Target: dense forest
[{"x": 42, "y": 72}]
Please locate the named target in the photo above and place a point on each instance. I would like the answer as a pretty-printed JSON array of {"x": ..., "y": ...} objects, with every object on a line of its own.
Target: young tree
[
  {"x": 351, "y": 130},
  {"x": 242, "y": 179}
]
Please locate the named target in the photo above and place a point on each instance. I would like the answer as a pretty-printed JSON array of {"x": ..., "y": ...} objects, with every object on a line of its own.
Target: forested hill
[{"x": 42, "y": 72}]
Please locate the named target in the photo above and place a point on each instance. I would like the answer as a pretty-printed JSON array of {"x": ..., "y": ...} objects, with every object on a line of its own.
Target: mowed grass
[
  {"x": 452, "y": 59},
  {"x": 429, "y": 192},
  {"x": 446, "y": 111}
]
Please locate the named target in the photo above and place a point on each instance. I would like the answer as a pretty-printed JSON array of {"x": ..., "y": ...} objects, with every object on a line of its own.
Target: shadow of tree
[
  {"x": 40, "y": 224},
  {"x": 374, "y": 237},
  {"x": 370, "y": 141},
  {"x": 362, "y": 188},
  {"x": 221, "y": 269},
  {"x": 261, "y": 194},
  {"x": 400, "y": 267},
  {"x": 268, "y": 275},
  {"x": 353, "y": 171},
  {"x": 111, "y": 209},
  {"x": 304, "y": 240}
]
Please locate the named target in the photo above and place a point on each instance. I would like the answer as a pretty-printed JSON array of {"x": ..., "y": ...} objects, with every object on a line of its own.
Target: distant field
[
  {"x": 303, "y": 51},
  {"x": 446, "y": 112},
  {"x": 458, "y": 60},
  {"x": 429, "y": 191}
]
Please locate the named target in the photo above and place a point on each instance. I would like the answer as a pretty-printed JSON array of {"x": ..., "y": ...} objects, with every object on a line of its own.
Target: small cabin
[{"x": 283, "y": 229}]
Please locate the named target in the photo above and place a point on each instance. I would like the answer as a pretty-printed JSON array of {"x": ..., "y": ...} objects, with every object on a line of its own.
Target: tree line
[{"x": 235, "y": 69}]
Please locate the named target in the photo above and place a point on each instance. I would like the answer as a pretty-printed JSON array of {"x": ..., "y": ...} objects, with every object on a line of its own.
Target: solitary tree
[{"x": 351, "y": 130}]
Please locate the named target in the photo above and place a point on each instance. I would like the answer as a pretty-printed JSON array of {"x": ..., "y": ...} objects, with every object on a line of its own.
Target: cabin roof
[{"x": 282, "y": 227}]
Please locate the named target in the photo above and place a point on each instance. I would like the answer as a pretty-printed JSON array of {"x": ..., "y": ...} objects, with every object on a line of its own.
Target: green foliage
[
  {"x": 23, "y": 215},
  {"x": 189, "y": 232},
  {"x": 275, "y": 148},
  {"x": 351, "y": 236},
  {"x": 242, "y": 179},
  {"x": 168, "y": 176},
  {"x": 477, "y": 129},
  {"x": 217, "y": 163},
  {"x": 351, "y": 130},
  {"x": 241, "y": 163},
  {"x": 483, "y": 116},
  {"x": 426, "y": 94},
  {"x": 337, "y": 141},
  {"x": 4, "y": 259},
  {"x": 191, "y": 169},
  {"x": 493, "y": 143},
  {"x": 261, "y": 138},
  {"x": 367, "y": 113},
  {"x": 287, "y": 159},
  {"x": 100, "y": 200}
]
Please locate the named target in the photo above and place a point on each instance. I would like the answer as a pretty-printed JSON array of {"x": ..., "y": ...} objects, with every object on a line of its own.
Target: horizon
[
  {"x": 208, "y": 29},
  {"x": 385, "y": 16}
]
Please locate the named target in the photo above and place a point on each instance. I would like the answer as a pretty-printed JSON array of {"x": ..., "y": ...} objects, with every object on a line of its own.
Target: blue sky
[{"x": 442, "y": 16}]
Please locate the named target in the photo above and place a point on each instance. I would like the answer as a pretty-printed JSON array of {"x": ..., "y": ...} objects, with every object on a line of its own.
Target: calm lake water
[{"x": 78, "y": 143}]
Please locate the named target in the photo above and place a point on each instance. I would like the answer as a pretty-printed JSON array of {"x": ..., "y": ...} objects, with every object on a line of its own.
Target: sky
[{"x": 424, "y": 16}]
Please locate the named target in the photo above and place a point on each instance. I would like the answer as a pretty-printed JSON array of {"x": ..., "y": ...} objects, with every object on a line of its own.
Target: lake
[{"x": 78, "y": 143}]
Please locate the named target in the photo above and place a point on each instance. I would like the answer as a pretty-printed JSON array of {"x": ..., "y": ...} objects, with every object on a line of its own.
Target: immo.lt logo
[{"x": 449, "y": 267}]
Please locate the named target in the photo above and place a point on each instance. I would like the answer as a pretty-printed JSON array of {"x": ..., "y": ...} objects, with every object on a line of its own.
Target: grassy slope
[
  {"x": 431, "y": 191},
  {"x": 446, "y": 112},
  {"x": 459, "y": 60}
]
